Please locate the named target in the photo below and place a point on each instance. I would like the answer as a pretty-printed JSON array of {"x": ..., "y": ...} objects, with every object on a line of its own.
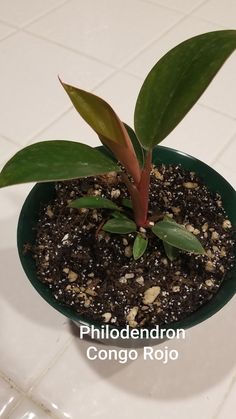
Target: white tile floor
[{"x": 106, "y": 46}]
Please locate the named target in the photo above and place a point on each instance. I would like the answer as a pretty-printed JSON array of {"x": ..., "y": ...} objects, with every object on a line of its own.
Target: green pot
[{"x": 42, "y": 193}]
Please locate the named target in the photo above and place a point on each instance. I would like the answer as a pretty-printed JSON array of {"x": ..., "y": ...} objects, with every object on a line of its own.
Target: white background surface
[{"x": 106, "y": 46}]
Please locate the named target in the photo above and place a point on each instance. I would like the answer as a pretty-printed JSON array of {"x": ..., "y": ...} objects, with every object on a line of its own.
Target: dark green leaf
[
  {"x": 120, "y": 216},
  {"x": 171, "y": 251},
  {"x": 127, "y": 203},
  {"x": 140, "y": 246},
  {"x": 177, "y": 81},
  {"x": 177, "y": 236},
  {"x": 119, "y": 226},
  {"x": 93, "y": 202},
  {"x": 55, "y": 160},
  {"x": 136, "y": 144}
]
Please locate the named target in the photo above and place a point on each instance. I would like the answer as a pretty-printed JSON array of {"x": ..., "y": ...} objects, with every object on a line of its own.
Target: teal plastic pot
[{"x": 42, "y": 193}]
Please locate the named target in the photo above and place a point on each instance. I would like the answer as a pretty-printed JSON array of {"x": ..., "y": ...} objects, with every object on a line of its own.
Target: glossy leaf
[
  {"x": 97, "y": 113},
  {"x": 120, "y": 216},
  {"x": 177, "y": 81},
  {"x": 136, "y": 144},
  {"x": 106, "y": 123},
  {"x": 140, "y": 246},
  {"x": 177, "y": 236},
  {"x": 127, "y": 203},
  {"x": 170, "y": 251},
  {"x": 119, "y": 226},
  {"x": 55, "y": 160},
  {"x": 93, "y": 202}
]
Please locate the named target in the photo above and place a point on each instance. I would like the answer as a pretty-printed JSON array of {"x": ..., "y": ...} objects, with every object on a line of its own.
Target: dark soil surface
[{"x": 94, "y": 272}]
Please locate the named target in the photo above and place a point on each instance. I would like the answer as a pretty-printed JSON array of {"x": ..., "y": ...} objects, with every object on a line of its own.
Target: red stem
[
  {"x": 140, "y": 193},
  {"x": 143, "y": 189}
]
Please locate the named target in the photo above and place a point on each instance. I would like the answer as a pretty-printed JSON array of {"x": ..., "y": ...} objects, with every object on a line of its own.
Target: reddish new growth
[{"x": 139, "y": 191}]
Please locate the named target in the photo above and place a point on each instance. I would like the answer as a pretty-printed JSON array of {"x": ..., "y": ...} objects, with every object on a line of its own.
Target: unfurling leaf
[
  {"x": 136, "y": 144},
  {"x": 119, "y": 226},
  {"x": 106, "y": 123},
  {"x": 97, "y": 113},
  {"x": 177, "y": 236},
  {"x": 55, "y": 160},
  {"x": 170, "y": 251},
  {"x": 93, "y": 202},
  {"x": 177, "y": 81},
  {"x": 140, "y": 246}
]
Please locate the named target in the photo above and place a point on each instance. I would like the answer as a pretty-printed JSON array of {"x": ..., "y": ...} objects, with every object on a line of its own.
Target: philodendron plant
[{"x": 169, "y": 91}]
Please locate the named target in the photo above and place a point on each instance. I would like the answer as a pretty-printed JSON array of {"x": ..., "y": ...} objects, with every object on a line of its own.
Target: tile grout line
[
  {"x": 14, "y": 31},
  {"x": 175, "y": 10},
  {"x": 8, "y": 139},
  {"x": 11, "y": 382},
  {"x": 33, "y": 20},
  {"x": 58, "y": 44},
  {"x": 211, "y": 108},
  {"x": 119, "y": 66},
  {"x": 225, "y": 148},
  {"x": 152, "y": 42},
  {"x": 27, "y": 393},
  {"x": 11, "y": 25},
  {"x": 65, "y": 112},
  {"x": 27, "y": 30},
  {"x": 210, "y": 21},
  {"x": 39, "y": 132},
  {"x": 14, "y": 407},
  {"x": 50, "y": 364},
  {"x": 37, "y": 404},
  {"x": 224, "y": 398},
  {"x": 184, "y": 17}
]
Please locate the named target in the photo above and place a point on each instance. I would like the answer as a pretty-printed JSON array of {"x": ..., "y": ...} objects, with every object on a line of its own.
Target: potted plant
[{"x": 131, "y": 233}]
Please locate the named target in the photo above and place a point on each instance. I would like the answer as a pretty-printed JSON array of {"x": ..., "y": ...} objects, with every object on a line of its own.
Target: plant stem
[
  {"x": 139, "y": 193},
  {"x": 143, "y": 189}
]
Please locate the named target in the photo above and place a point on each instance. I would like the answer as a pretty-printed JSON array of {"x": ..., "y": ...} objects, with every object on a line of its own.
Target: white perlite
[
  {"x": 151, "y": 294},
  {"x": 158, "y": 175},
  {"x": 128, "y": 251},
  {"x": 205, "y": 227},
  {"x": 215, "y": 235},
  {"x": 209, "y": 282},
  {"x": 49, "y": 212},
  {"x": 129, "y": 276},
  {"x": 115, "y": 193},
  {"x": 209, "y": 267},
  {"x": 189, "y": 228},
  {"x": 226, "y": 224},
  {"x": 140, "y": 280},
  {"x": 131, "y": 317},
  {"x": 142, "y": 230},
  {"x": 190, "y": 185},
  {"x": 107, "y": 317},
  {"x": 72, "y": 276}
]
